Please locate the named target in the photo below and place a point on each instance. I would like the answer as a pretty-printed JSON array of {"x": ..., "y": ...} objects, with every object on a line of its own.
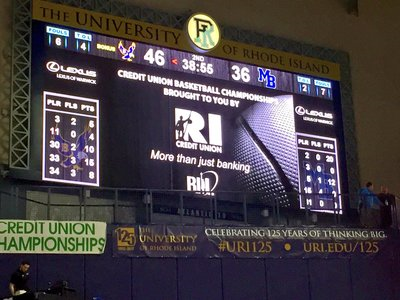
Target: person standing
[
  {"x": 18, "y": 285},
  {"x": 387, "y": 202},
  {"x": 369, "y": 207}
]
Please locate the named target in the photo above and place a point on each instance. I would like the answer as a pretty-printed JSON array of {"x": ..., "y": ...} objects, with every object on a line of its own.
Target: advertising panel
[
  {"x": 52, "y": 237},
  {"x": 249, "y": 242}
]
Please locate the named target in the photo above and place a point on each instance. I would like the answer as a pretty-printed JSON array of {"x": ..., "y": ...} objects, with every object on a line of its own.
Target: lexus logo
[
  {"x": 52, "y": 66},
  {"x": 300, "y": 110},
  {"x": 55, "y": 67}
]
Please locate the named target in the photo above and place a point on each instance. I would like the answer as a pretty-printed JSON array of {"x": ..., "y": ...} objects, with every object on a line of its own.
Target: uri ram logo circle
[{"x": 203, "y": 32}]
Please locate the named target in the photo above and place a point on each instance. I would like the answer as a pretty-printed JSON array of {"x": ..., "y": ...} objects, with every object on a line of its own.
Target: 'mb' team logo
[
  {"x": 203, "y": 32},
  {"x": 191, "y": 131}
]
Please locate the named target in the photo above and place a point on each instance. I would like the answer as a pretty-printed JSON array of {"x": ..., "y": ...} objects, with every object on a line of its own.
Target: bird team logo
[
  {"x": 127, "y": 53},
  {"x": 203, "y": 32}
]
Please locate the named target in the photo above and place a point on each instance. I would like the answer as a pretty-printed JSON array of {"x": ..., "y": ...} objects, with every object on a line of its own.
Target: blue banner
[{"x": 245, "y": 242}]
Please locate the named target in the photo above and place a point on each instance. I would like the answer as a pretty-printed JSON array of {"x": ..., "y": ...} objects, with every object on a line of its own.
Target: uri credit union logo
[
  {"x": 192, "y": 133},
  {"x": 203, "y": 32},
  {"x": 203, "y": 184}
]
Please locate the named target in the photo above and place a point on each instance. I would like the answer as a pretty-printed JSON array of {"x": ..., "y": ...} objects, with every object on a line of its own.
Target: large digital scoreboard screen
[{"x": 121, "y": 113}]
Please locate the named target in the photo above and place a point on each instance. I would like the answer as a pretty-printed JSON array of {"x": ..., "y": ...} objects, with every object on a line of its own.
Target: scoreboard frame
[{"x": 16, "y": 164}]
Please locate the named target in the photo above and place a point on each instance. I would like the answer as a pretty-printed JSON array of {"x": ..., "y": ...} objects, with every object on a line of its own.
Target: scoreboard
[{"x": 123, "y": 113}]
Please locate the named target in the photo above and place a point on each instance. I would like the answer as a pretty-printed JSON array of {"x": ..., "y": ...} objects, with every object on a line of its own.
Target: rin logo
[
  {"x": 204, "y": 184},
  {"x": 203, "y": 32}
]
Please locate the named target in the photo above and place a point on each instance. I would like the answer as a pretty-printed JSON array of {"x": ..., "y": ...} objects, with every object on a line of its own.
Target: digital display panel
[
  {"x": 119, "y": 113},
  {"x": 70, "y": 135}
]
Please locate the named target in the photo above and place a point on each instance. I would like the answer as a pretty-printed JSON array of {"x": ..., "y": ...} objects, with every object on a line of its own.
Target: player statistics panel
[
  {"x": 70, "y": 139},
  {"x": 319, "y": 180}
]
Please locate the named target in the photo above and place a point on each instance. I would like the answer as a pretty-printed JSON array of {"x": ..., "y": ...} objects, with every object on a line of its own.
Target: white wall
[{"x": 371, "y": 39}]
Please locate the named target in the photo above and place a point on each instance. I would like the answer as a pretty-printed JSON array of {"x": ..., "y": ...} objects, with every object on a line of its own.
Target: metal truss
[
  {"x": 20, "y": 86},
  {"x": 20, "y": 113}
]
